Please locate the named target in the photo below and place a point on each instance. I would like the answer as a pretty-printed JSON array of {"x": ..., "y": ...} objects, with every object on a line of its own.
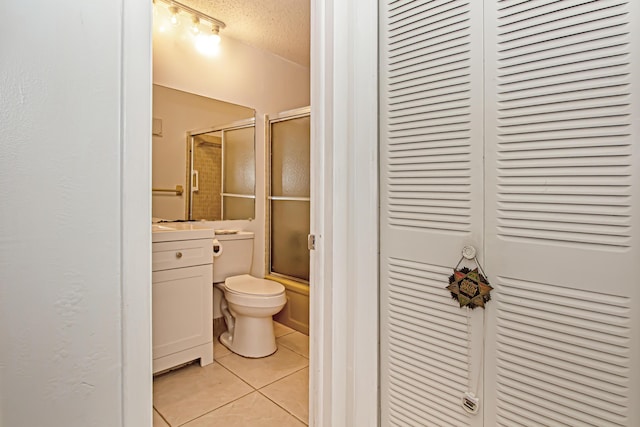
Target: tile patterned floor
[{"x": 237, "y": 392}]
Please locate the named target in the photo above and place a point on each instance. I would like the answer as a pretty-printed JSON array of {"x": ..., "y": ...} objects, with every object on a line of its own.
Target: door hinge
[{"x": 311, "y": 242}]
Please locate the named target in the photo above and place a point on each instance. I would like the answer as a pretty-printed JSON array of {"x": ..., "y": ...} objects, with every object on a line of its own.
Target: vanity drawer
[{"x": 181, "y": 253}]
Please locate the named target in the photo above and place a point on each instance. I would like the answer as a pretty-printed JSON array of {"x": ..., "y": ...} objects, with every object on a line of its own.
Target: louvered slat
[
  {"x": 564, "y": 144},
  {"x": 564, "y": 361},
  {"x": 431, "y": 205},
  {"x": 429, "y": 357},
  {"x": 429, "y": 121}
]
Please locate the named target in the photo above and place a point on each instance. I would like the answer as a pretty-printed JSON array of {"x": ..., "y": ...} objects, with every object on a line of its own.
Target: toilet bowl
[{"x": 248, "y": 305}]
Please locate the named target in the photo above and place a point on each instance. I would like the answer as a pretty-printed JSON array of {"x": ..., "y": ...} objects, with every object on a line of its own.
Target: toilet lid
[{"x": 246, "y": 284}]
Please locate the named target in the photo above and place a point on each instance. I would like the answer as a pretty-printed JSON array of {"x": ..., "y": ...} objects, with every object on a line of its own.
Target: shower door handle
[{"x": 194, "y": 181}]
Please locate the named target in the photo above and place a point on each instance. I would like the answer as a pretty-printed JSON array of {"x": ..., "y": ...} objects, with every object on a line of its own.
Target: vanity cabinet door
[{"x": 182, "y": 307}]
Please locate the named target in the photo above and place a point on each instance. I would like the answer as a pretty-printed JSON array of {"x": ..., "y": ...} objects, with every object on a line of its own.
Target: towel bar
[{"x": 178, "y": 190}]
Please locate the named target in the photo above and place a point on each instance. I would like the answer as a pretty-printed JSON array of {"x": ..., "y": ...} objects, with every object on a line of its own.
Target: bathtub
[{"x": 295, "y": 313}]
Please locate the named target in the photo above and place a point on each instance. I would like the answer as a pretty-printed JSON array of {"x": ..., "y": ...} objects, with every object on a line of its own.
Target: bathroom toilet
[{"x": 248, "y": 303}]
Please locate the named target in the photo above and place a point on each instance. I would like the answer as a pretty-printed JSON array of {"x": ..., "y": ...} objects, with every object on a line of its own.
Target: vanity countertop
[{"x": 167, "y": 232}]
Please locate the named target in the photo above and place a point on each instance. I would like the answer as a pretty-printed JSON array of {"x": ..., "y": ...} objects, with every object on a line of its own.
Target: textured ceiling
[{"x": 278, "y": 26}]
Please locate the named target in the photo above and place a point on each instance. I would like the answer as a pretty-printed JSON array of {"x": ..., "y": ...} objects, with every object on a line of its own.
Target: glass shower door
[
  {"x": 206, "y": 184},
  {"x": 239, "y": 174},
  {"x": 289, "y": 200},
  {"x": 222, "y": 172}
]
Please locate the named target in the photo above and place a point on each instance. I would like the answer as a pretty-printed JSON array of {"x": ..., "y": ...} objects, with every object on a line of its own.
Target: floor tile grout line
[
  {"x": 161, "y": 416},
  {"x": 288, "y": 333},
  {"x": 285, "y": 409},
  {"x": 215, "y": 409},
  {"x": 284, "y": 335},
  {"x": 276, "y": 380},
  {"x": 306, "y": 356},
  {"x": 293, "y": 331},
  {"x": 272, "y": 382},
  {"x": 252, "y": 388},
  {"x": 235, "y": 400},
  {"x": 294, "y": 350},
  {"x": 236, "y": 375},
  {"x": 288, "y": 375}
]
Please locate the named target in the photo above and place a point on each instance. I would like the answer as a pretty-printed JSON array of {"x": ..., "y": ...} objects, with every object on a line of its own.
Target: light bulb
[
  {"x": 215, "y": 35},
  {"x": 214, "y": 39},
  {"x": 174, "y": 15},
  {"x": 209, "y": 44},
  {"x": 195, "y": 27}
]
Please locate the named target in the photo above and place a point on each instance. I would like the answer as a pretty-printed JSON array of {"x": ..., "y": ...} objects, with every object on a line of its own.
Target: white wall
[
  {"x": 241, "y": 75},
  {"x": 67, "y": 119}
]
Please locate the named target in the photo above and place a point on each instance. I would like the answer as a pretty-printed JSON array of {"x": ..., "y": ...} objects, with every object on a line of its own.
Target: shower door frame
[
  {"x": 268, "y": 120},
  {"x": 239, "y": 124}
]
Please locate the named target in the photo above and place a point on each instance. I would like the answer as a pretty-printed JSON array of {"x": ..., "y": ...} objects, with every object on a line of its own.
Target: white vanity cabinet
[{"x": 181, "y": 295}]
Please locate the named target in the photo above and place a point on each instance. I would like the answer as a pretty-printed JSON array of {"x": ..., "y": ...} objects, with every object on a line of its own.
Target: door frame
[
  {"x": 135, "y": 182},
  {"x": 344, "y": 213}
]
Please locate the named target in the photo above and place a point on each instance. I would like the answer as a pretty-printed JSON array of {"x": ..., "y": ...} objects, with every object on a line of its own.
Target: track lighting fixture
[{"x": 205, "y": 28}]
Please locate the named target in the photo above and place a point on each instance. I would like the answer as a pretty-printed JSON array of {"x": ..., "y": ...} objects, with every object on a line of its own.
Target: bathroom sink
[
  {"x": 180, "y": 231},
  {"x": 157, "y": 227}
]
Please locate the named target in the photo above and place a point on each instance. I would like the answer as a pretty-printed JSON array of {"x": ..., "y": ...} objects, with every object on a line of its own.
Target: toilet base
[{"x": 252, "y": 337}]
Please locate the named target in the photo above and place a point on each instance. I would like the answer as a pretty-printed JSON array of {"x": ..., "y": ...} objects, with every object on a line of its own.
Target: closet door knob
[
  {"x": 469, "y": 252},
  {"x": 178, "y": 255}
]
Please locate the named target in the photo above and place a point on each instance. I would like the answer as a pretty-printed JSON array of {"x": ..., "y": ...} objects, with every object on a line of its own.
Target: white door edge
[
  {"x": 344, "y": 214},
  {"x": 135, "y": 208}
]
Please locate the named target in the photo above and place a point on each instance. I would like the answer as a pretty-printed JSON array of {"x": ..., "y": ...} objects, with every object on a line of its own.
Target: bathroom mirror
[
  {"x": 180, "y": 116},
  {"x": 222, "y": 172}
]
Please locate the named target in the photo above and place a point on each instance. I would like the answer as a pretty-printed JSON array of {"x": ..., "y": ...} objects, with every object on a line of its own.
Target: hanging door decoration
[{"x": 469, "y": 287}]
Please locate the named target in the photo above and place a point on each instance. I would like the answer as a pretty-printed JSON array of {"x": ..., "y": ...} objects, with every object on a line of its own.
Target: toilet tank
[{"x": 235, "y": 255}]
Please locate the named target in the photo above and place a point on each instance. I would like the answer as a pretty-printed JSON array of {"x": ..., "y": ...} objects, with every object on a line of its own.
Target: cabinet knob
[{"x": 178, "y": 255}]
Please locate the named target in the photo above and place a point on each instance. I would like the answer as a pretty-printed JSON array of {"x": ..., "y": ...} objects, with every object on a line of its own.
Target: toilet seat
[{"x": 247, "y": 285}]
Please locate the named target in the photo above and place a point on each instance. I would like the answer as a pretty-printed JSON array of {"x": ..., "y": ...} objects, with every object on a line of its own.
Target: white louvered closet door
[
  {"x": 513, "y": 126},
  {"x": 431, "y": 141},
  {"x": 562, "y": 160}
]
